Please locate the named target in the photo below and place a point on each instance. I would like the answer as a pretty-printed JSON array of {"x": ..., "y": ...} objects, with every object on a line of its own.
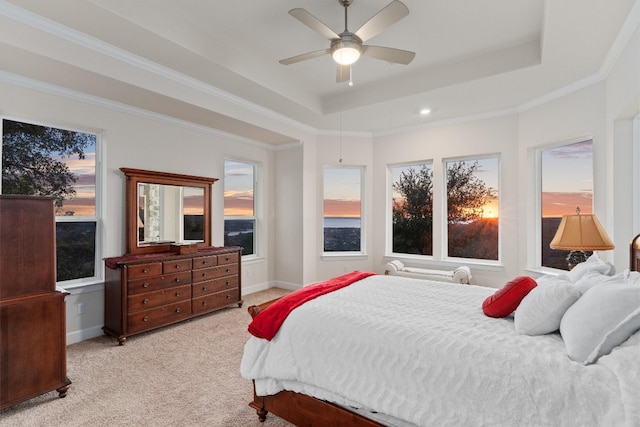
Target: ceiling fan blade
[
  {"x": 314, "y": 23},
  {"x": 389, "y": 15},
  {"x": 343, "y": 73},
  {"x": 389, "y": 54},
  {"x": 304, "y": 56}
]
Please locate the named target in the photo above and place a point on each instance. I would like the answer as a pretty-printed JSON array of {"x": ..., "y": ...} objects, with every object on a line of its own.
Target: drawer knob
[
  {"x": 204, "y": 303},
  {"x": 145, "y": 301},
  {"x": 178, "y": 266},
  {"x": 178, "y": 310},
  {"x": 228, "y": 282},
  {"x": 227, "y": 259},
  {"x": 178, "y": 294},
  {"x": 204, "y": 274},
  {"x": 145, "y": 285},
  {"x": 145, "y": 318},
  {"x": 145, "y": 270},
  {"x": 204, "y": 288},
  {"x": 177, "y": 280},
  {"x": 228, "y": 296},
  {"x": 227, "y": 270}
]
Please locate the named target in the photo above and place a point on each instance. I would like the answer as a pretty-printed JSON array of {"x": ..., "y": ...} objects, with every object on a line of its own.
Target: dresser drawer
[
  {"x": 204, "y": 274},
  {"x": 226, "y": 270},
  {"x": 228, "y": 258},
  {"x": 148, "y": 300},
  {"x": 175, "y": 266},
  {"x": 144, "y": 270},
  {"x": 217, "y": 285},
  {"x": 159, "y": 282},
  {"x": 215, "y": 301},
  {"x": 205, "y": 262},
  {"x": 159, "y": 316}
]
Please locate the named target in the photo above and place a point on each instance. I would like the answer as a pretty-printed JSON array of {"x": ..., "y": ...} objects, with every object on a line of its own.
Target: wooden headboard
[{"x": 634, "y": 263}]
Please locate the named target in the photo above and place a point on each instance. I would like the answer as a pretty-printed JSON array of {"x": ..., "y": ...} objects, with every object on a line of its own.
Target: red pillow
[{"x": 506, "y": 299}]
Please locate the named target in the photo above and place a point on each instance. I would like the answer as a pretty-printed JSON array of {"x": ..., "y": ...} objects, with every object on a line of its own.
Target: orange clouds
[
  {"x": 343, "y": 208},
  {"x": 556, "y": 204}
]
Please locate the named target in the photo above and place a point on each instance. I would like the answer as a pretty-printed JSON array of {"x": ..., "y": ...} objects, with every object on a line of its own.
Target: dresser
[
  {"x": 148, "y": 291},
  {"x": 33, "y": 358}
]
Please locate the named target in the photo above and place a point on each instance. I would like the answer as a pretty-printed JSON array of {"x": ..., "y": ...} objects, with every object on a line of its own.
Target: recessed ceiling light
[{"x": 425, "y": 111}]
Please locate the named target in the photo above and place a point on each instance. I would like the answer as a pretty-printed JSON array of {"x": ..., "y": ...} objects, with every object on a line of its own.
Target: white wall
[{"x": 288, "y": 233}]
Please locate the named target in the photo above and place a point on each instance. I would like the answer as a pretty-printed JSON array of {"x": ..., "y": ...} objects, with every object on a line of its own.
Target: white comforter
[{"x": 424, "y": 352}]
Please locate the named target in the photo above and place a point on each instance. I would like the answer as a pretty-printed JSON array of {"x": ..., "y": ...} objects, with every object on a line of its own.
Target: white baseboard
[
  {"x": 84, "y": 334},
  {"x": 268, "y": 285}
]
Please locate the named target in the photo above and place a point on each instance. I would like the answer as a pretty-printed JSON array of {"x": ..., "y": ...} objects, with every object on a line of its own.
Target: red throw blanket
[{"x": 267, "y": 323}]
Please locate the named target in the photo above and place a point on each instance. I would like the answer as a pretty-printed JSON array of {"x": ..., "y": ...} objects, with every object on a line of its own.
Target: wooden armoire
[{"x": 33, "y": 358}]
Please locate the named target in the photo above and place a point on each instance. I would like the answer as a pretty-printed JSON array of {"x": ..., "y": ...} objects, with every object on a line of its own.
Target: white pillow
[
  {"x": 542, "y": 309},
  {"x": 589, "y": 280},
  {"x": 603, "y": 318},
  {"x": 593, "y": 263}
]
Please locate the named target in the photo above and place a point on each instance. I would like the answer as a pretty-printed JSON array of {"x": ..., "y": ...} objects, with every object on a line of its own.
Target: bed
[{"x": 397, "y": 351}]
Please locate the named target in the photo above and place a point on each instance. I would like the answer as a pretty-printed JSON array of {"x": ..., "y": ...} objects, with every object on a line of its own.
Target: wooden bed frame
[{"x": 303, "y": 410}]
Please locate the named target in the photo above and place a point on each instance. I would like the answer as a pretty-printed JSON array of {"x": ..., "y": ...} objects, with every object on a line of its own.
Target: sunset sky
[
  {"x": 84, "y": 202},
  {"x": 238, "y": 188},
  {"x": 567, "y": 182},
  {"x": 567, "y": 179},
  {"x": 342, "y": 188}
]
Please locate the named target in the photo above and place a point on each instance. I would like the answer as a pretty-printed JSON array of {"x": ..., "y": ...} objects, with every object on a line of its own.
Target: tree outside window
[
  {"x": 566, "y": 183},
  {"x": 47, "y": 161},
  {"x": 412, "y": 208},
  {"x": 472, "y": 208}
]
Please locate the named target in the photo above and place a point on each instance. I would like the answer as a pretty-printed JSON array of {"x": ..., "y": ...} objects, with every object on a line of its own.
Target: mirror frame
[{"x": 137, "y": 176}]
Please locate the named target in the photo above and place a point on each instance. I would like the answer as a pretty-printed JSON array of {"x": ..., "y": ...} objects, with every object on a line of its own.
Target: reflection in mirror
[{"x": 169, "y": 213}]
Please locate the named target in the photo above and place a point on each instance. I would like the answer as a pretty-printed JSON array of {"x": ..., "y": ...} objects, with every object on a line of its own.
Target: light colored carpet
[{"x": 181, "y": 375}]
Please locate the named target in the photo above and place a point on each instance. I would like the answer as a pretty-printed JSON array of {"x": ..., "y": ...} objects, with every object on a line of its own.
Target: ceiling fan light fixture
[{"x": 346, "y": 52}]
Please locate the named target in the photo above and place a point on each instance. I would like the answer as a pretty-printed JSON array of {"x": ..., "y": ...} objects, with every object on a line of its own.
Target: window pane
[
  {"x": 412, "y": 208},
  {"x": 342, "y": 209},
  {"x": 47, "y": 161},
  {"x": 472, "y": 208},
  {"x": 239, "y": 207},
  {"x": 567, "y": 183},
  {"x": 238, "y": 188},
  {"x": 75, "y": 256},
  {"x": 240, "y": 232}
]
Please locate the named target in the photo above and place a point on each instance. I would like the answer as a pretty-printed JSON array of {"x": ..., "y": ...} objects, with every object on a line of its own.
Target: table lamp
[{"x": 578, "y": 233}]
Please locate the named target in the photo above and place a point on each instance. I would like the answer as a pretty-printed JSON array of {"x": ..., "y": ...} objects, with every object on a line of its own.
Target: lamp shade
[{"x": 581, "y": 233}]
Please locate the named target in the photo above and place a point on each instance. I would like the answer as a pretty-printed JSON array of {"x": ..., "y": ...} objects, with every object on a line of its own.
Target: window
[
  {"x": 47, "y": 161},
  {"x": 342, "y": 209},
  {"x": 239, "y": 205},
  {"x": 473, "y": 208},
  {"x": 412, "y": 208},
  {"x": 566, "y": 173}
]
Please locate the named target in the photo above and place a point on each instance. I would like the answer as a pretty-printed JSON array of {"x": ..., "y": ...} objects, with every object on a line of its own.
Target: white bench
[{"x": 461, "y": 274}]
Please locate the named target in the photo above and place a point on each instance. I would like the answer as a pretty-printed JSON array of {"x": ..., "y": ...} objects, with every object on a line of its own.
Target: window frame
[
  {"x": 100, "y": 193},
  {"x": 256, "y": 205},
  {"x": 342, "y": 254},
  {"x": 389, "y": 211},
  {"x": 538, "y": 150},
  {"x": 445, "y": 207}
]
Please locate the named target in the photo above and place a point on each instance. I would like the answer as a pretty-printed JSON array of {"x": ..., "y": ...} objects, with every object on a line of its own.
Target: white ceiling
[{"x": 212, "y": 61}]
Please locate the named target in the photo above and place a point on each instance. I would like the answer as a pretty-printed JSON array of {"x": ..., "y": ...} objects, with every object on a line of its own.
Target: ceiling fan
[{"x": 347, "y": 47}]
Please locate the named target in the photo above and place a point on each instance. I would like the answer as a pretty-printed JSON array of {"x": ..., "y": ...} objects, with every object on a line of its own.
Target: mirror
[
  {"x": 169, "y": 213},
  {"x": 165, "y": 208}
]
